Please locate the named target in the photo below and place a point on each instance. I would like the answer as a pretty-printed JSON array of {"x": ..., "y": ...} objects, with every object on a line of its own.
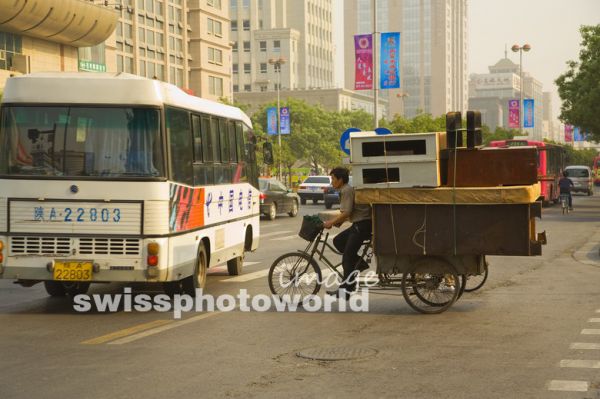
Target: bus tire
[
  {"x": 198, "y": 279},
  {"x": 76, "y": 288},
  {"x": 55, "y": 288},
  {"x": 235, "y": 265}
]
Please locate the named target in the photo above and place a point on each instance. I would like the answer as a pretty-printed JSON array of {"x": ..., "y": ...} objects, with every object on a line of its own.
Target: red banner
[{"x": 363, "y": 47}]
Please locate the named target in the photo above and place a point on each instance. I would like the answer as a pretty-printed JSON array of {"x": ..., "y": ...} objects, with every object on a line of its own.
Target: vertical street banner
[
  {"x": 390, "y": 56},
  {"x": 284, "y": 120},
  {"x": 363, "y": 49},
  {"x": 528, "y": 105},
  {"x": 577, "y": 135},
  {"x": 568, "y": 133},
  {"x": 271, "y": 120},
  {"x": 513, "y": 114}
]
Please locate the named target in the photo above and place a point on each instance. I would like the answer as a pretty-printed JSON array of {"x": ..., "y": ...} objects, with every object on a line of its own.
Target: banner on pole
[
  {"x": 271, "y": 120},
  {"x": 363, "y": 49},
  {"x": 528, "y": 119},
  {"x": 390, "y": 56},
  {"x": 568, "y": 133},
  {"x": 284, "y": 119},
  {"x": 577, "y": 135},
  {"x": 513, "y": 114}
]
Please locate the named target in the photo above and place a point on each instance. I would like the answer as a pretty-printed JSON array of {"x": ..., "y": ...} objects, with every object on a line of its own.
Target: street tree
[{"x": 579, "y": 87}]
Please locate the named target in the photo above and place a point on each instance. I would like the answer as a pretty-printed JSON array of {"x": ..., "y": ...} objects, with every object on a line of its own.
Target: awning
[{"x": 75, "y": 23}]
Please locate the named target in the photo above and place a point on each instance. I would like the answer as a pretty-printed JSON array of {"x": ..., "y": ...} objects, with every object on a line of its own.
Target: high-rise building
[
  {"x": 183, "y": 42},
  {"x": 434, "y": 56},
  {"x": 295, "y": 35}
]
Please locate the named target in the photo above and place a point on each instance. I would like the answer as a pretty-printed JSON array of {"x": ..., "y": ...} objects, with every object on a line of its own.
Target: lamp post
[
  {"x": 277, "y": 63},
  {"x": 520, "y": 49},
  {"x": 403, "y": 96}
]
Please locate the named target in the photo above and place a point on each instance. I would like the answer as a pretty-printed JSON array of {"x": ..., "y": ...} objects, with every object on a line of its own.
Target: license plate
[
  {"x": 313, "y": 188},
  {"x": 73, "y": 271}
]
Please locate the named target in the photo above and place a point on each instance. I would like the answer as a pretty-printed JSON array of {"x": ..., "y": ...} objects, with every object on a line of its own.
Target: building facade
[
  {"x": 32, "y": 40},
  {"x": 286, "y": 44}
]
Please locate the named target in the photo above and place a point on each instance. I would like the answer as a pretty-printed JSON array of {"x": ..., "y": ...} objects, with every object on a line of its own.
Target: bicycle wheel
[
  {"x": 294, "y": 276},
  {"x": 476, "y": 282},
  {"x": 431, "y": 286}
]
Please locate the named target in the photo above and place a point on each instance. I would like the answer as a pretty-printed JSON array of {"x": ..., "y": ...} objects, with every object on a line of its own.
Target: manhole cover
[{"x": 336, "y": 353}]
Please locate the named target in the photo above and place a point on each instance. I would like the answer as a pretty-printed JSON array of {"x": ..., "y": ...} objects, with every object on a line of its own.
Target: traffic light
[
  {"x": 453, "y": 129},
  {"x": 474, "y": 138}
]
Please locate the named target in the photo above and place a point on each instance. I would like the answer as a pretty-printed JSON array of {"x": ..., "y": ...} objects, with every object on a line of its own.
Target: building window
[
  {"x": 263, "y": 67},
  {"x": 215, "y": 56},
  {"x": 234, "y": 26},
  {"x": 236, "y": 88},
  {"x": 234, "y": 47},
  {"x": 263, "y": 46},
  {"x": 246, "y": 24},
  {"x": 246, "y": 47},
  {"x": 214, "y": 27},
  {"x": 247, "y": 68},
  {"x": 247, "y": 88},
  {"x": 235, "y": 69},
  {"x": 214, "y": 3},
  {"x": 276, "y": 45},
  {"x": 246, "y": 3},
  {"x": 215, "y": 86}
]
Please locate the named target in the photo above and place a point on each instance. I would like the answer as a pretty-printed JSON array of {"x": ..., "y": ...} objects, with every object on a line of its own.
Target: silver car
[{"x": 582, "y": 178}]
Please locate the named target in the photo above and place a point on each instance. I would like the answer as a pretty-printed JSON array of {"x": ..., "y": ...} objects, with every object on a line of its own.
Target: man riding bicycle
[
  {"x": 565, "y": 185},
  {"x": 350, "y": 240}
]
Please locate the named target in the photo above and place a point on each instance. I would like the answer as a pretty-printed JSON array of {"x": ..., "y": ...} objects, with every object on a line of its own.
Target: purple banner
[
  {"x": 363, "y": 48},
  {"x": 513, "y": 114},
  {"x": 390, "y": 55}
]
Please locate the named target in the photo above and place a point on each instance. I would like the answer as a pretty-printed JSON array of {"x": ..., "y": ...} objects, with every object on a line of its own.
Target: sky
[{"x": 551, "y": 27}]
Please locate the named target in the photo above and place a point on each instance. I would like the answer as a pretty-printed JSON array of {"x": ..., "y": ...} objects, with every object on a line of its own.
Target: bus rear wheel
[{"x": 198, "y": 279}]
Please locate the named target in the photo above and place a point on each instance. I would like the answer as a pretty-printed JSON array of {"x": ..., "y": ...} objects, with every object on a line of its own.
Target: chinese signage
[
  {"x": 363, "y": 48},
  {"x": 513, "y": 114},
  {"x": 285, "y": 120},
  {"x": 390, "y": 54},
  {"x": 528, "y": 112},
  {"x": 91, "y": 66},
  {"x": 271, "y": 120}
]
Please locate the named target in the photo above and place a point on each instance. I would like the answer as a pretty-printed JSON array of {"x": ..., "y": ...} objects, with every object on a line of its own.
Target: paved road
[{"x": 533, "y": 328}]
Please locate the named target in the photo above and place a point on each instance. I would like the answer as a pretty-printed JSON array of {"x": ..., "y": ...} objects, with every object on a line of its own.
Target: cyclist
[
  {"x": 565, "y": 185},
  {"x": 349, "y": 241}
]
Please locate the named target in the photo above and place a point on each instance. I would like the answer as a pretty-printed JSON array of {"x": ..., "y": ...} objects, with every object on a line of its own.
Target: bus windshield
[{"x": 73, "y": 141}]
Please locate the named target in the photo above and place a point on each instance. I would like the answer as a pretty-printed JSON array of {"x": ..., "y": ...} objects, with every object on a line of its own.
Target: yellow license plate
[{"x": 73, "y": 271}]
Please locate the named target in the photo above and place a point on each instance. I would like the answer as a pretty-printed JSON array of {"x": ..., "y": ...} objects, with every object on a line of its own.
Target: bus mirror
[{"x": 268, "y": 153}]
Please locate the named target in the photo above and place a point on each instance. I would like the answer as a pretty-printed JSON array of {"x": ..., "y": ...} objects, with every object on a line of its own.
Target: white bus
[{"x": 117, "y": 178}]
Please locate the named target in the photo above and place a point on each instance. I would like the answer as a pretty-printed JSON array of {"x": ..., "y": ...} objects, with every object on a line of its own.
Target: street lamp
[
  {"x": 520, "y": 49},
  {"x": 277, "y": 63}
]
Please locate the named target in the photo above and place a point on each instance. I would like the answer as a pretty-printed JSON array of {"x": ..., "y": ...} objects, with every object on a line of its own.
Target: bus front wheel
[{"x": 198, "y": 279}]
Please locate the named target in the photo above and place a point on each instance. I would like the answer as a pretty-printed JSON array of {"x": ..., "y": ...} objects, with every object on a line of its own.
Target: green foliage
[
  {"x": 419, "y": 124},
  {"x": 498, "y": 134},
  {"x": 577, "y": 156},
  {"x": 579, "y": 87}
]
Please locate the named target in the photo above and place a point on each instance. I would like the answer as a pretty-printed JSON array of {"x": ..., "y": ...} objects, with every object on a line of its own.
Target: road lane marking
[
  {"x": 262, "y": 225},
  {"x": 590, "y": 331},
  {"x": 125, "y": 332},
  {"x": 286, "y": 238},
  {"x": 581, "y": 364},
  {"x": 584, "y": 345},
  {"x": 247, "y": 277},
  {"x": 223, "y": 268},
  {"x": 568, "y": 386},
  {"x": 274, "y": 233},
  {"x": 594, "y": 320},
  {"x": 172, "y": 324}
]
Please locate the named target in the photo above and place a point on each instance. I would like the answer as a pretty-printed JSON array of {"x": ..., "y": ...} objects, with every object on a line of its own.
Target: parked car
[
  {"x": 313, "y": 188},
  {"x": 582, "y": 179},
  {"x": 332, "y": 196},
  {"x": 276, "y": 198}
]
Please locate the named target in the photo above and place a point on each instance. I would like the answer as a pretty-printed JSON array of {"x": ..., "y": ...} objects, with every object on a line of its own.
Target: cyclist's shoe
[{"x": 362, "y": 265}]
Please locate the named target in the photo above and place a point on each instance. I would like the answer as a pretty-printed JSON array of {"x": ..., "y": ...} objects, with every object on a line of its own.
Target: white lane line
[
  {"x": 160, "y": 329},
  {"x": 590, "y": 331},
  {"x": 594, "y": 320},
  {"x": 223, "y": 268},
  {"x": 286, "y": 238},
  {"x": 568, "y": 386},
  {"x": 275, "y": 233},
  {"x": 247, "y": 277},
  {"x": 265, "y": 225},
  {"x": 581, "y": 364},
  {"x": 584, "y": 345}
]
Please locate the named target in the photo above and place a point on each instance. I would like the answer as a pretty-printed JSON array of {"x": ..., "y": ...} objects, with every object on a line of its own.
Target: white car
[{"x": 313, "y": 188}]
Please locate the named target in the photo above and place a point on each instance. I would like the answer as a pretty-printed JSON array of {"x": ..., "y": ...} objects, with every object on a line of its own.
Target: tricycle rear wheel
[{"x": 431, "y": 285}]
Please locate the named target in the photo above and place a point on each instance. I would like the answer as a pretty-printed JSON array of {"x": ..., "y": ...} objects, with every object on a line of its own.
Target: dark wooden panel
[
  {"x": 432, "y": 229},
  {"x": 491, "y": 167}
]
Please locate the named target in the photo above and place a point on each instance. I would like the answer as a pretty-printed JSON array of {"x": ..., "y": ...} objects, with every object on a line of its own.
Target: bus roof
[{"x": 109, "y": 89}]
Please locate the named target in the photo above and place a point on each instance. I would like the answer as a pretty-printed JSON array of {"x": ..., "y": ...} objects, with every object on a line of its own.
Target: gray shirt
[{"x": 357, "y": 212}]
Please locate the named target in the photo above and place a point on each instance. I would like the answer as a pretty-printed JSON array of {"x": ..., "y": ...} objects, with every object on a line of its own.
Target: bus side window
[
  {"x": 203, "y": 172},
  {"x": 180, "y": 138},
  {"x": 240, "y": 141},
  {"x": 214, "y": 136},
  {"x": 232, "y": 145},
  {"x": 207, "y": 148},
  {"x": 197, "y": 138},
  {"x": 223, "y": 139}
]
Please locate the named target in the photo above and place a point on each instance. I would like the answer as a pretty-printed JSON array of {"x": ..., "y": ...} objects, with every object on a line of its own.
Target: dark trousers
[
  {"x": 348, "y": 242},
  {"x": 570, "y": 197}
]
